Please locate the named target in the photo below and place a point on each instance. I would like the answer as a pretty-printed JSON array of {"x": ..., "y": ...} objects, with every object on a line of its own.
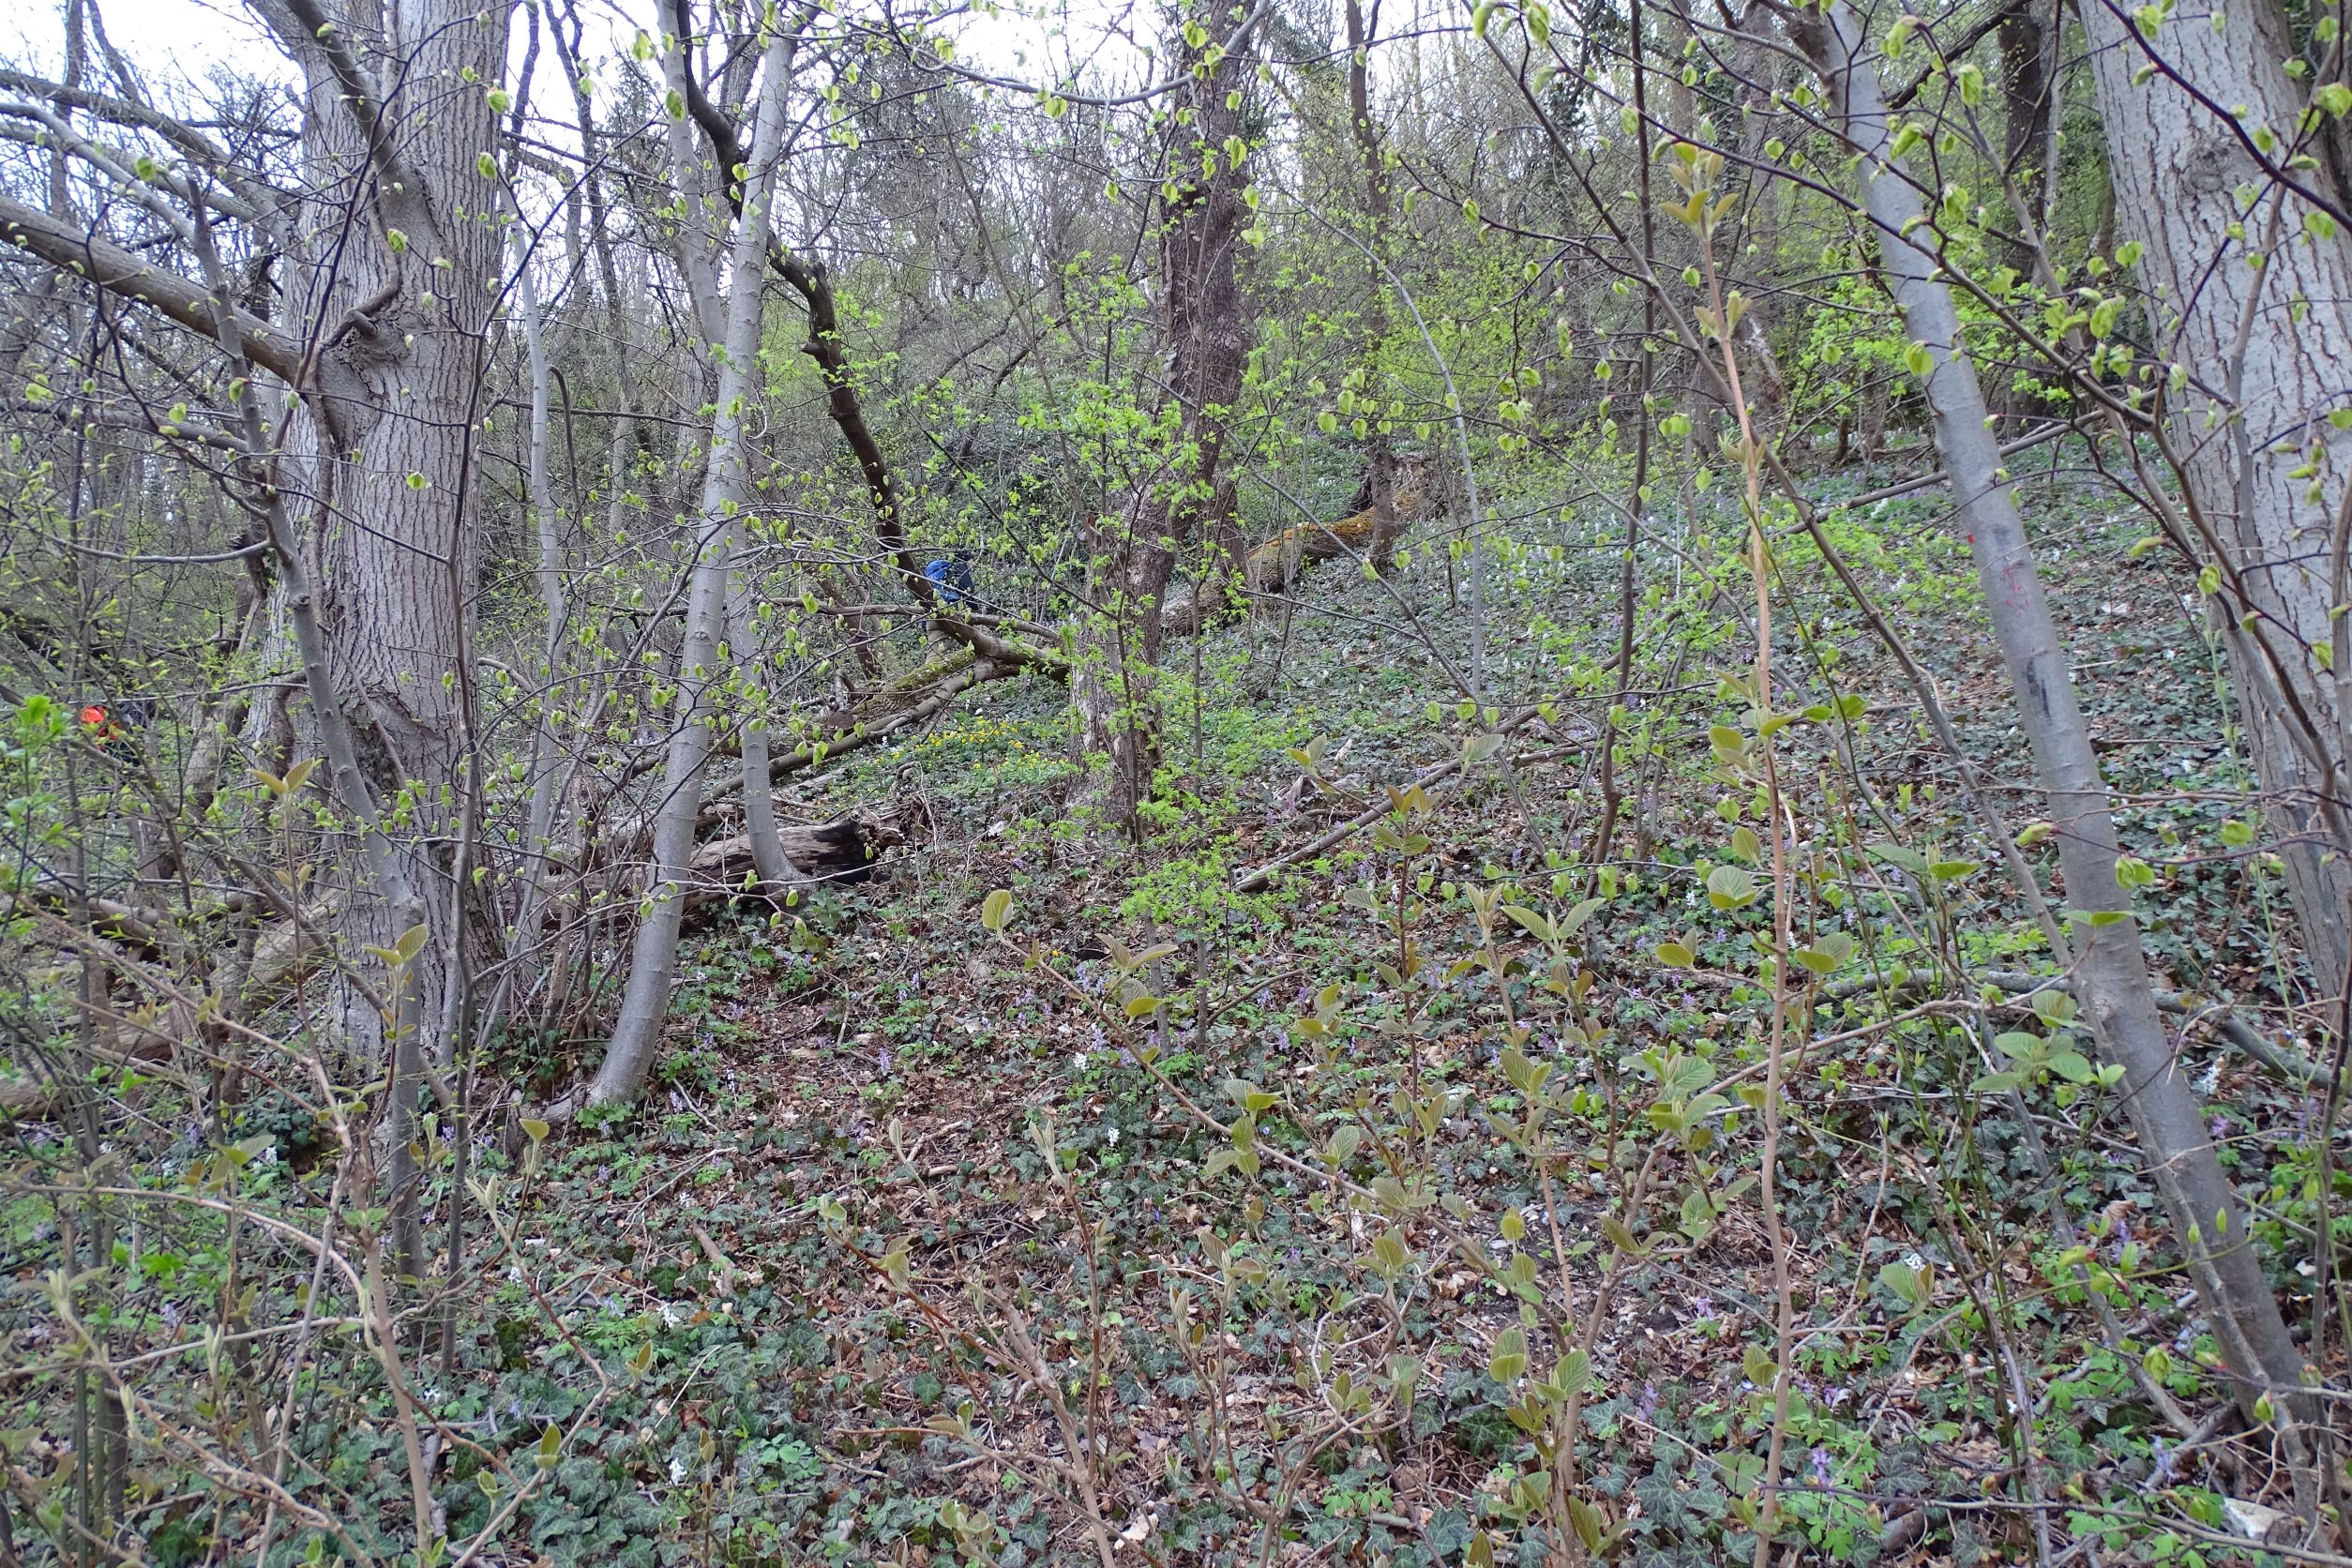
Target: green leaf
[
  {"x": 1510, "y": 1355},
  {"x": 1729, "y": 887},
  {"x": 996, "y": 909},
  {"x": 1529, "y": 921},
  {"x": 1898, "y": 855},
  {"x": 1620, "y": 1238},
  {"x": 1906, "y": 1282},
  {"x": 1568, "y": 924},
  {"x": 2018, "y": 1046},
  {"x": 1674, "y": 955},
  {"x": 1526, "y": 1075},
  {"x": 2071, "y": 1066}
]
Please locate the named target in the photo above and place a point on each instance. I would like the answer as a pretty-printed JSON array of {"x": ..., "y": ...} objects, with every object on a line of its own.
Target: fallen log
[
  {"x": 838, "y": 853},
  {"x": 954, "y": 675},
  {"x": 29, "y": 1099},
  {"x": 842, "y": 851},
  {"x": 1273, "y": 565}
]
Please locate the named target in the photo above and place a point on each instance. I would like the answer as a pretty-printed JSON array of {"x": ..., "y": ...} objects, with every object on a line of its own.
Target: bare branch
[{"x": 71, "y": 249}]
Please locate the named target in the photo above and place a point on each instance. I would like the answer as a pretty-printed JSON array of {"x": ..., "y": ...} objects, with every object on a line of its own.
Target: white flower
[
  {"x": 1114, "y": 1137},
  {"x": 677, "y": 1469},
  {"x": 1080, "y": 1057}
]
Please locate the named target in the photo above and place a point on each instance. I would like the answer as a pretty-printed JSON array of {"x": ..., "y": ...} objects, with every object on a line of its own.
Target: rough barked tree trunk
[
  {"x": 2029, "y": 49},
  {"x": 398, "y": 256},
  {"x": 2269, "y": 354},
  {"x": 2111, "y": 975},
  {"x": 653, "y": 954},
  {"x": 389, "y": 262},
  {"x": 1190, "y": 507}
]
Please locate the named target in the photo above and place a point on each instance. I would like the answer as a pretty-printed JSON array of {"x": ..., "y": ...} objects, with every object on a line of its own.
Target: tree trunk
[
  {"x": 2028, "y": 89},
  {"x": 401, "y": 264},
  {"x": 1118, "y": 645},
  {"x": 2027, "y": 44},
  {"x": 773, "y": 864},
  {"x": 653, "y": 958},
  {"x": 547, "y": 770},
  {"x": 2112, "y": 970},
  {"x": 2269, "y": 349},
  {"x": 1762, "y": 65},
  {"x": 1381, "y": 501},
  {"x": 1190, "y": 512}
]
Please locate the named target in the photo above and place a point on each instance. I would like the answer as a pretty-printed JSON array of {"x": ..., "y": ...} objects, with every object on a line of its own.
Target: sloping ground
[{"x": 933, "y": 1244}]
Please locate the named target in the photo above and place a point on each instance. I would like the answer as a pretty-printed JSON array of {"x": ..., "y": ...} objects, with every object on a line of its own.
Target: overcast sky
[{"x": 186, "y": 39}]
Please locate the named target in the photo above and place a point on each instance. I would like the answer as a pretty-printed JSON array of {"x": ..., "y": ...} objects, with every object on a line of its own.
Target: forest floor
[{"x": 814, "y": 1235}]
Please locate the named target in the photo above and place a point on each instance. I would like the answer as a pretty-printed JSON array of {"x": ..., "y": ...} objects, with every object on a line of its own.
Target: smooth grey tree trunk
[
  {"x": 777, "y": 875},
  {"x": 547, "y": 772},
  {"x": 2111, "y": 975},
  {"x": 654, "y": 956},
  {"x": 774, "y": 868},
  {"x": 2269, "y": 355}
]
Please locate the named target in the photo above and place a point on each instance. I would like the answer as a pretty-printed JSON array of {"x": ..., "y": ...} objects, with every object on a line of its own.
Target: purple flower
[
  {"x": 1821, "y": 1466},
  {"x": 882, "y": 1059}
]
